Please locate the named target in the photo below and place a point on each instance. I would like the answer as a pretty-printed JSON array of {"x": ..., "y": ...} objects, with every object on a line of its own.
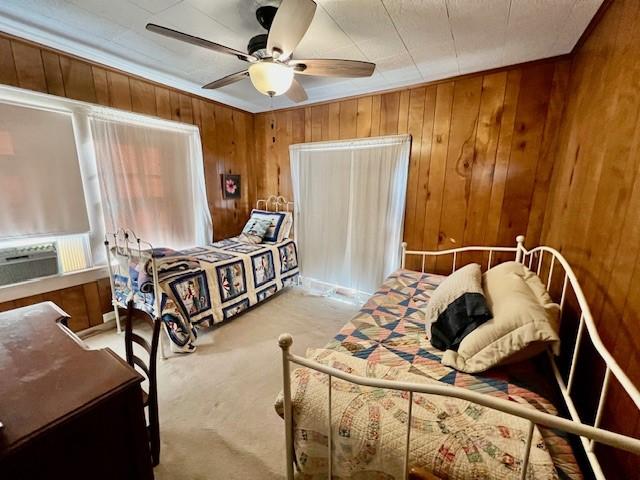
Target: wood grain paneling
[
  {"x": 480, "y": 156},
  {"x": 593, "y": 211},
  {"x": 226, "y": 134}
]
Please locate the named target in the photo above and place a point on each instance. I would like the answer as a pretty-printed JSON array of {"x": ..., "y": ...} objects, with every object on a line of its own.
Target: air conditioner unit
[{"x": 18, "y": 264}]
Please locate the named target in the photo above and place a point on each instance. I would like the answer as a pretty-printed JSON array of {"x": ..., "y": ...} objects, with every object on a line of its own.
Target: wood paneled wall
[
  {"x": 481, "y": 154},
  {"x": 593, "y": 213},
  {"x": 226, "y": 135}
]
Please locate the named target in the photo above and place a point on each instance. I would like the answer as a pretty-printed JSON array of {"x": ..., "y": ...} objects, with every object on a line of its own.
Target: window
[
  {"x": 350, "y": 199},
  {"x": 41, "y": 189},
  {"x": 72, "y": 171},
  {"x": 152, "y": 181}
]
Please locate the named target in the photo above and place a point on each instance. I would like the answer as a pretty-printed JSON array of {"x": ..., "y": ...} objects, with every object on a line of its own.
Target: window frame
[{"x": 81, "y": 113}]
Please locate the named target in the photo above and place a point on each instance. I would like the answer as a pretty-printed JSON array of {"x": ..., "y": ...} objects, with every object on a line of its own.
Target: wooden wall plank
[
  {"x": 119, "y": 91},
  {"x": 143, "y": 97},
  {"x": 101, "y": 85},
  {"x": 348, "y": 121},
  {"x": 437, "y": 169},
  {"x": 8, "y": 74},
  {"x": 459, "y": 163},
  {"x": 29, "y": 67},
  {"x": 78, "y": 79},
  {"x": 163, "y": 102},
  {"x": 53, "y": 73},
  {"x": 414, "y": 127},
  {"x": 364, "y": 117}
]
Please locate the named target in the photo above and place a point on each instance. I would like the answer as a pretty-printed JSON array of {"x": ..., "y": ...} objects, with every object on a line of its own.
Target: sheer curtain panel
[
  {"x": 41, "y": 190},
  {"x": 152, "y": 180},
  {"x": 350, "y": 201}
]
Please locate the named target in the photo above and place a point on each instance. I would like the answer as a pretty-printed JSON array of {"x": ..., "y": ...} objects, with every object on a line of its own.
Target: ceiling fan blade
[
  {"x": 324, "y": 67},
  {"x": 296, "y": 92},
  {"x": 228, "y": 80},
  {"x": 200, "y": 42},
  {"x": 291, "y": 22}
]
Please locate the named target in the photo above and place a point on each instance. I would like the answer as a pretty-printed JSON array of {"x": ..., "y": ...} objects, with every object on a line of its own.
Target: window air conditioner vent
[{"x": 19, "y": 264}]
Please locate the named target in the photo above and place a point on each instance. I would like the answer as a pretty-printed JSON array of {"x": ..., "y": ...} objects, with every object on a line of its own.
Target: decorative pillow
[
  {"x": 276, "y": 230},
  {"x": 255, "y": 229},
  {"x": 456, "y": 308},
  {"x": 525, "y": 322}
]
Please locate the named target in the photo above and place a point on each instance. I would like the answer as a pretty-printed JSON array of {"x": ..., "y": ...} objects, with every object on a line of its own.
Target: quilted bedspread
[
  {"x": 452, "y": 438},
  {"x": 202, "y": 286}
]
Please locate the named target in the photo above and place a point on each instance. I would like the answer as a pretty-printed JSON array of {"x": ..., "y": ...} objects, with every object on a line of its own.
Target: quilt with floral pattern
[
  {"x": 453, "y": 439},
  {"x": 202, "y": 286}
]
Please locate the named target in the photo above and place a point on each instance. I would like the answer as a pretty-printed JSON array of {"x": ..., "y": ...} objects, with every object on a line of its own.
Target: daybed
[{"x": 395, "y": 409}]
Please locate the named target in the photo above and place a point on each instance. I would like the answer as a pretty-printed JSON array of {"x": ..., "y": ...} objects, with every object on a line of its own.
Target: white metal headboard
[
  {"x": 275, "y": 203},
  {"x": 589, "y": 434}
]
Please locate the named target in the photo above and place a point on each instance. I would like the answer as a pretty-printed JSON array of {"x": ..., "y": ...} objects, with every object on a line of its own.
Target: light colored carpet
[{"x": 216, "y": 404}]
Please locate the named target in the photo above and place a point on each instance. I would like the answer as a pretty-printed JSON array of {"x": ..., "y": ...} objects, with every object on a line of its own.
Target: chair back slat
[{"x": 135, "y": 338}]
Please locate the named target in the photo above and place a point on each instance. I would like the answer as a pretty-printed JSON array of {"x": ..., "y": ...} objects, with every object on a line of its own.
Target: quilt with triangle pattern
[{"x": 389, "y": 334}]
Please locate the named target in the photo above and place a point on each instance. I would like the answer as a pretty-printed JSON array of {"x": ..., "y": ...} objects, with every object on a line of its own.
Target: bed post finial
[
  {"x": 404, "y": 253},
  {"x": 285, "y": 341},
  {"x": 519, "y": 248}
]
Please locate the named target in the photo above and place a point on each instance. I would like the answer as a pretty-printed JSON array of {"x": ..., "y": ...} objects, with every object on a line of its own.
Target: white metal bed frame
[
  {"x": 129, "y": 246},
  {"x": 589, "y": 434}
]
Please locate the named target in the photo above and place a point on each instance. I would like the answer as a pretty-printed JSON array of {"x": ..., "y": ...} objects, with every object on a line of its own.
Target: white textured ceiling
[{"x": 411, "y": 41}]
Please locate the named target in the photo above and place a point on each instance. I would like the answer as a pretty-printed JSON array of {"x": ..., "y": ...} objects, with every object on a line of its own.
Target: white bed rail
[{"x": 589, "y": 434}]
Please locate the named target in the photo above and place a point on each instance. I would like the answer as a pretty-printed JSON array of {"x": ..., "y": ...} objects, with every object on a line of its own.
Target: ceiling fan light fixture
[{"x": 271, "y": 78}]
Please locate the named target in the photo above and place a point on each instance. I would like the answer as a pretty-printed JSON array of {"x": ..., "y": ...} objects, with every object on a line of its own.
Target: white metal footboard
[
  {"x": 126, "y": 244},
  {"x": 589, "y": 434}
]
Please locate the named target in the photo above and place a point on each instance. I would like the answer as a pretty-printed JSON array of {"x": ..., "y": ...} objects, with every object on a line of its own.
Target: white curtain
[
  {"x": 41, "y": 190},
  {"x": 350, "y": 200},
  {"x": 152, "y": 180}
]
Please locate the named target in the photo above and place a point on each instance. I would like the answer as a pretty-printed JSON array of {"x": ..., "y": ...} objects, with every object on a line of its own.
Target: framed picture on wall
[{"x": 230, "y": 186}]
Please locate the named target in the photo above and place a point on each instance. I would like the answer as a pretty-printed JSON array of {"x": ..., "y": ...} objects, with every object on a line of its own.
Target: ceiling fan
[{"x": 272, "y": 69}]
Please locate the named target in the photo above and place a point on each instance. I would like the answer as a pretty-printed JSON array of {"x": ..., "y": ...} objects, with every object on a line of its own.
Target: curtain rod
[{"x": 352, "y": 143}]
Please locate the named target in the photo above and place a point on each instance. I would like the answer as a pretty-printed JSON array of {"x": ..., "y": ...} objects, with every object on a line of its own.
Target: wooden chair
[{"x": 150, "y": 398}]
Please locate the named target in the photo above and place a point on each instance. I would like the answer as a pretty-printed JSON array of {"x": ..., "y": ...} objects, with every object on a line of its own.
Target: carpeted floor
[{"x": 216, "y": 404}]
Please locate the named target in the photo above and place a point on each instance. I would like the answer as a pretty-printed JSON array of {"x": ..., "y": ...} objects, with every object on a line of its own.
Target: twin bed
[
  {"x": 377, "y": 403},
  {"x": 205, "y": 285}
]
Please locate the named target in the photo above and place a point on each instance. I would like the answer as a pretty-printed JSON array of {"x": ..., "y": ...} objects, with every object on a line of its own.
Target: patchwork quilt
[
  {"x": 452, "y": 438},
  {"x": 202, "y": 286}
]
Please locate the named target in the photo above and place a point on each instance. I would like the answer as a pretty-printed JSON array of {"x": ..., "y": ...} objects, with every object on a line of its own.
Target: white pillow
[
  {"x": 456, "y": 308},
  {"x": 525, "y": 322}
]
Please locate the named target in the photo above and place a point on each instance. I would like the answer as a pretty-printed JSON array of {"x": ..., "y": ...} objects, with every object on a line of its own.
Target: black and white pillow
[
  {"x": 279, "y": 224},
  {"x": 456, "y": 308}
]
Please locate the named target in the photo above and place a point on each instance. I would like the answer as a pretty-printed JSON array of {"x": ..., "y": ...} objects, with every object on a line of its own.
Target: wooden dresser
[{"x": 68, "y": 412}]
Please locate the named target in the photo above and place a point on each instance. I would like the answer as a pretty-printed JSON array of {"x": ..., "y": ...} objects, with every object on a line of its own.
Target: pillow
[
  {"x": 286, "y": 226},
  {"x": 275, "y": 231},
  {"x": 525, "y": 322},
  {"x": 255, "y": 230},
  {"x": 456, "y": 308}
]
